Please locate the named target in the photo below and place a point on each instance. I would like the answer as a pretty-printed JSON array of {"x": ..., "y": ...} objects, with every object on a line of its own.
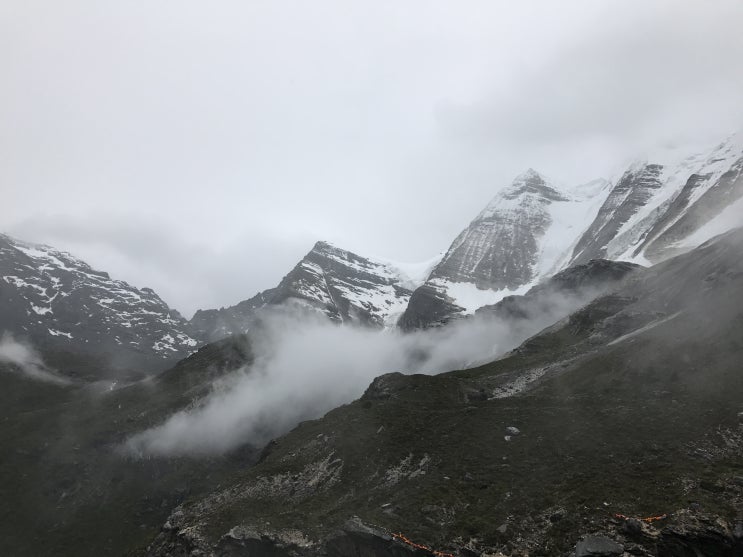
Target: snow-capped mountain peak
[
  {"x": 59, "y": 301},
  {"x": 529, "y": 188},
  {"x": 521, "y": 235},
  {"x": 346, "y": 287}
]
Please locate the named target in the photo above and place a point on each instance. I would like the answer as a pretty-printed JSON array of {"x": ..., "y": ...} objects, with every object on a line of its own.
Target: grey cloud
[
  {"x": 642, "y": 77},
  {"x": 237, "y": 135}
]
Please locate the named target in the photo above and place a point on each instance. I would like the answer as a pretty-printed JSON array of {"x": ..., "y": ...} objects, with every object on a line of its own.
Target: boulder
[{"x": 598, "y": 546}]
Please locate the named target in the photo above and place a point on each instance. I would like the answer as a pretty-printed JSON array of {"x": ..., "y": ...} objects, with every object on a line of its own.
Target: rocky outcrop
[{"x": 429, "y": 306}]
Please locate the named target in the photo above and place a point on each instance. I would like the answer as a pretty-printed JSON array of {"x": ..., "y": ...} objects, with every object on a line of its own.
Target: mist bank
[
  {"x": 305, "y": 366},
  {"x": 24, "y": 359}
]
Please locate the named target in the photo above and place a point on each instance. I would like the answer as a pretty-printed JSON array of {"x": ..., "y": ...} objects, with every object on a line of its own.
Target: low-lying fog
[
  {"x": 25, "y": 360},
  {"x": 306, "y": 366}
]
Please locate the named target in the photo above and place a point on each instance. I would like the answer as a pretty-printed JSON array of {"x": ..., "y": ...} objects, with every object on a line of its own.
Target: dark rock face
[
  {"x": 344, "y": 286},
  {"x": 428, "y": 307},
  {"x": 633, "y": 190},
  {"x": 62, "y": 306}
]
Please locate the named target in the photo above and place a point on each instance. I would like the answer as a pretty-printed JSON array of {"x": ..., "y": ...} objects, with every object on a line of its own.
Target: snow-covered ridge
[
  {"x": 658, "y": 202},
  {"x": 351, "y": 288},
  {"x": 52, "y": 297},
  {"x": 345, "y": 286}
]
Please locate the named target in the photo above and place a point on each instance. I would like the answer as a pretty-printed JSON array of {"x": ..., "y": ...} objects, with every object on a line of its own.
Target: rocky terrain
[
  {"x": 618, "y": 430},
  {"x": 86, "y": 321}
]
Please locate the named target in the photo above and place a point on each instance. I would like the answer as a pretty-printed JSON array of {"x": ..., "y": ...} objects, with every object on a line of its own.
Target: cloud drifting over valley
[{"x": 305, "y": 365}]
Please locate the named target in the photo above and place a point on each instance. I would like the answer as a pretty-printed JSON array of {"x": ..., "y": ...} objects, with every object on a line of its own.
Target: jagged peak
[
  {"x": 530, "y": 174},
  {"x": 528, "y": 183},
  {"x": 323, "y": 247}
]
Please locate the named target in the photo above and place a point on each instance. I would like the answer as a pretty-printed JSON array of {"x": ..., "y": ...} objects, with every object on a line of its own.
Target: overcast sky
[{"x": 201, "y": 148}]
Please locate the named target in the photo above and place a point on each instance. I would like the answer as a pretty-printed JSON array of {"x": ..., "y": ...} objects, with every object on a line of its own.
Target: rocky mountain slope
[
  {"x": 655, "y": 206},
  {"x": 346, "y": 287},
  {"x": 521, "y": 237},
  {"x": 618, "y": 428},
  {"x": 61, "y": 305},
  {"x": 66, "y": 488}
]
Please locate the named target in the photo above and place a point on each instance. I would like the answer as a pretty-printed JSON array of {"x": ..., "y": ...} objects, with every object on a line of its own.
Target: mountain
[
  {"x": 346, "y": 287},
  {"x": 617, "y": 429},
  {"x": 530, "y": 230},
  {"x": 654, "y": 207},
  {"x": 521, "y": 237},
  {"x": 87, "y": 320}
]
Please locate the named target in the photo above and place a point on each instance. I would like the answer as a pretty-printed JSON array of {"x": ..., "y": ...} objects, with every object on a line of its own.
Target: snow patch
[
  {"x": 731, "y": 217},
  {"x": 468, "y": 296},
  {"x": 56, "y": 333}
]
